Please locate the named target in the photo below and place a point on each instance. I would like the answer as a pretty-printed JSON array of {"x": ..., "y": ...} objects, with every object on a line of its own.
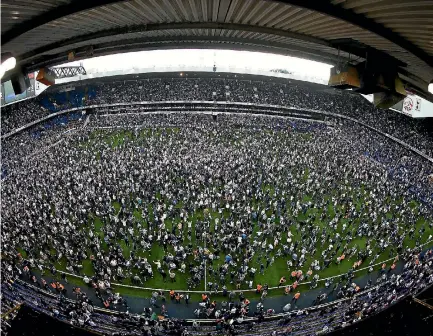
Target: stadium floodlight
[
  {"x": 7, "y": 65},
  {"x": 430, "y": 87}
]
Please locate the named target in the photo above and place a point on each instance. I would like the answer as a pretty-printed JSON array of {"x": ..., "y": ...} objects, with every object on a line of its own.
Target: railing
[
  {"x": 246, "y": 290},
  {"x": 16, "y": 307},
  {"x": 288, "y": 109},
  {"x": 247, "y": 318},
  {"x": 291, "y": 109}
]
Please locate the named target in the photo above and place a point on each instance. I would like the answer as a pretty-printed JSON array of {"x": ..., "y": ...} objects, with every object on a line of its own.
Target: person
[
  {"x": 293, "y": 275},
  {"x": 296, "y": 297},
  {"x": 172, "y": 276},
  {"x": 153, "y": 302},
  {"x": 383, "y": 269},
  {"x": 161, "y": 295},
  {"x": 60, "y": 287},
  {"x": 164, "y": 311},
  {"x": 164, "y": 275},
  {"x": 282, "y": 281},
  {"x": 45, "y": 284},
  {"x": 136, "y": 280},
  {"x": 63, "y": 276},
  {"x": 86, "y": 280},
  {"x": 157, "y": 182},
  {"x": 287, "y": 307}
]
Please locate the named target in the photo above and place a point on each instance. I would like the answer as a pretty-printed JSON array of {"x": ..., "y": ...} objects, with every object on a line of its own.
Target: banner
[
  {"x": 411, "y": 104},
  {"x": 408, "y": 105},
  {"x": 415, "y": 106},
  {"x": 32, "y": 88}
]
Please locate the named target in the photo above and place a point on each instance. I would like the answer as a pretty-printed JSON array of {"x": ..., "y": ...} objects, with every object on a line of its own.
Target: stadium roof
[{"x": 41, "y": 33}]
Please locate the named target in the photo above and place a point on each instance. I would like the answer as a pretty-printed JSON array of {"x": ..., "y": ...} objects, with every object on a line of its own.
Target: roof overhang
[{"x": 42, "y": 34}]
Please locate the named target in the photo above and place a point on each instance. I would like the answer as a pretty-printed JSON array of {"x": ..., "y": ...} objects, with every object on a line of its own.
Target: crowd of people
[
  {"x": 417, "y": 275},
  {"x": 223, "y": 203},
  {"x": 19, "y": 114},
  {"x": 299, "y": 95}
]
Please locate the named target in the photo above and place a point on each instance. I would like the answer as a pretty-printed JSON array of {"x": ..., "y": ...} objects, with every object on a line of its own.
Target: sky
[{"x": 206, "y": 58}]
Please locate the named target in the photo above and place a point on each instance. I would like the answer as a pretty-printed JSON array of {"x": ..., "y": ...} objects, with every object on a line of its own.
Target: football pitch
[{"x": 321, "y": 218}]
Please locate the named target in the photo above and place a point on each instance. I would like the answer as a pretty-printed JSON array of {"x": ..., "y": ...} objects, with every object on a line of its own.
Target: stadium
[{"x": 209, "y": 200}]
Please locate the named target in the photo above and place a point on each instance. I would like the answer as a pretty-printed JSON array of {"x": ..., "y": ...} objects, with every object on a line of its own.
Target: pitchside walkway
[{"x": 183, "y": 311}]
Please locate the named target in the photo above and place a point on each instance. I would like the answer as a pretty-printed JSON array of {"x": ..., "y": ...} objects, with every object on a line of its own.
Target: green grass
[
  {"x": 272, "y": 273},
  {"x": 116, "y": 139}
]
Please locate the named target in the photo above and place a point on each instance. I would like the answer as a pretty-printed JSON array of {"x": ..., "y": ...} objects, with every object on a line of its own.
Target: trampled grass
[{"x": 275, "y": 271}]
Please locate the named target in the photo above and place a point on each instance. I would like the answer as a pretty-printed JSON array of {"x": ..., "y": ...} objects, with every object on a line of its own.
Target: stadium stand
[
  {"x": 79, "y": 167},
  {"x": 260, "y": 92}
]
